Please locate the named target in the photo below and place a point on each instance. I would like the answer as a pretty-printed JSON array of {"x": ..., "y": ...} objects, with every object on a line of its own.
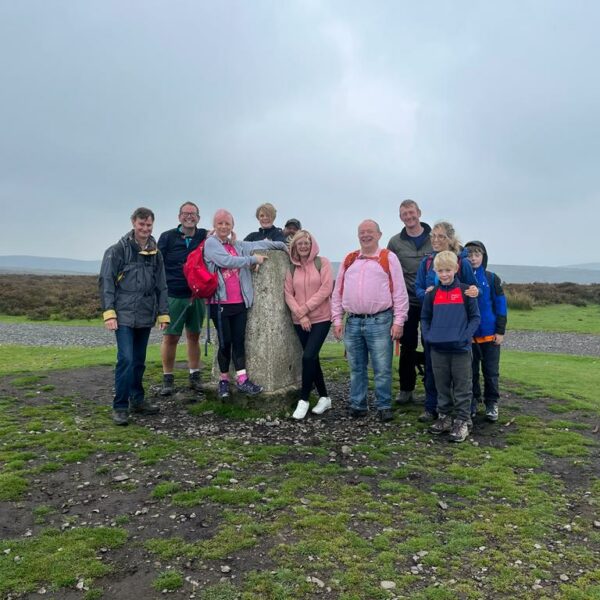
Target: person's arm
[
  {"x": 161, "y": 292},
  {"x": 426, "y": 315},
  {"x": 263, "y": 245},
  {"x": 473, "y": 316},
  {"x": 337, "y": 311},
  {"x": 467, "y": 276},
  {"x": 325, "y": 289},
  {"x": 500, "y": 309},
  {"x": 290, "y": 296},
  {"x": 215, "y": 253},
  {"x": 112, "y": 265},
  {"x": 421, "y": 280}
]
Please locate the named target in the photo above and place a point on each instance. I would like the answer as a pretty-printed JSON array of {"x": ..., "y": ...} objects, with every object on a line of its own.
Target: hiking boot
[
  {"x": 195, "y": 381},
  {"x": 358, "y": 413},
  {"x": 223, "y": 391},
  {"x": 385, "y": 415},
  {"x": 144, "y": 408},
  {"x": 459, "y": 432},
  {"x": 491, "y": 412},
  {"x": 120, "y": 417},
  {"x": 405, "y": 397},
  {"x": 249, "y": 388},
  {"x": 443, "y": 424},
  {"x": 427, "y": 417},
  {"x": 168, "y": 385},
  {"x": 301, "y": 409},
  {"x": 322, "y": 405}
]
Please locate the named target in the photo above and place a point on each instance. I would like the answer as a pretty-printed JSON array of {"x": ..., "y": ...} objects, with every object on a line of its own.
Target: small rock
[
  {"x": 442, "y": 505},
  {"x": 120, "y": 477},
  {"x": 346, "y": 450},
  {"x": 597, "y": 524},
  {"x": 564, "y": 577},
  {"x": 388, "y": 585},
  {"x": 225, "y": 569},
  {"x": 316, "y": 581}
]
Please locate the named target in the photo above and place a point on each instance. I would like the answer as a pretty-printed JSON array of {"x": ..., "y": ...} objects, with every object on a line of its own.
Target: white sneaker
[
  {"x": 301, "y": 410},
  {"x": 322, "y": 405}
]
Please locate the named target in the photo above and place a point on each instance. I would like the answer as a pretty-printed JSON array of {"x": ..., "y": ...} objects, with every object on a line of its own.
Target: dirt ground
[{"x": 84, "y": 491}]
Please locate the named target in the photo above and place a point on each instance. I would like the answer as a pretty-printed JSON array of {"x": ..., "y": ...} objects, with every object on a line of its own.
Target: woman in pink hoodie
[{"x": 308, "y": 287}]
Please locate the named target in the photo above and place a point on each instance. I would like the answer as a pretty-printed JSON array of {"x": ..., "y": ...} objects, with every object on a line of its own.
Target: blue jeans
[
  {"x": 370, "y": 337},
  {"x": 131, "y": 364}
]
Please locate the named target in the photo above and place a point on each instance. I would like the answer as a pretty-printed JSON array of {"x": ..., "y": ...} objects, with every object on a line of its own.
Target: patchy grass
[
  {"x": 558, "y": 318},
  {"x": 168, "y": 581}
]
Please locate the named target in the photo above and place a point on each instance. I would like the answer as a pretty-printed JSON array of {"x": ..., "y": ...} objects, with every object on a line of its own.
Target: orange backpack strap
[
  {"x": 384, "y": 261},
  {"x": 350, "y": 258}
]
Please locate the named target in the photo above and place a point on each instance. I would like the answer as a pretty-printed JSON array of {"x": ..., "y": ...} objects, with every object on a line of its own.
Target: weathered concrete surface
[{"x": 273, "y": 351}]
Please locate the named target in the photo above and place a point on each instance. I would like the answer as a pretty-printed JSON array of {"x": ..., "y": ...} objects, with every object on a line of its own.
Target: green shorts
[{"x": 192, "y": 319}]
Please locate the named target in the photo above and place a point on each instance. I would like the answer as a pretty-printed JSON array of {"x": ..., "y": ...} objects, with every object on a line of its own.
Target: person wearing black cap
[{"x": 292, "y": 227}]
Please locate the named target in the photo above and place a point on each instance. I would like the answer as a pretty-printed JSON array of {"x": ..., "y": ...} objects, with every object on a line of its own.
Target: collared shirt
[{"x": 366, "y": 289}]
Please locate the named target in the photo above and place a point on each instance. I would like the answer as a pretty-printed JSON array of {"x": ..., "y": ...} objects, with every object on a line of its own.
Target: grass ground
[
  {"x": 215, "y": 503},
  {"x": 558, "y": 318}
]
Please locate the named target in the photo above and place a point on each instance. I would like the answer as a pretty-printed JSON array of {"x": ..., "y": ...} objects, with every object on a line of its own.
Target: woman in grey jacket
[{"x": 229, "y": 307}]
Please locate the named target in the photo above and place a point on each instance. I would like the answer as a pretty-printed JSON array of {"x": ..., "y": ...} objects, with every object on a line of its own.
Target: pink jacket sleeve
[
  {"x": 290, "y": 298},
  {"x": 324, "y": 291},
  {"x": 400, "y": 295},
  {"x": 337, "y": 312}
]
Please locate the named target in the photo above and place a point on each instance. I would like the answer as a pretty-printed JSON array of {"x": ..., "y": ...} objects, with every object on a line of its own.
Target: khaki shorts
[{"x": 192, "y": 319}]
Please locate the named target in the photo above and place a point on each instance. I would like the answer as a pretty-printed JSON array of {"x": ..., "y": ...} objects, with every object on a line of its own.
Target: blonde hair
[
  {"x": 301, "y": 233},
  {"x": 445, "y": 260},
  {"x": 222, "y": 213},
  {"x": 448, "y": 229},
  {"x": 267, "y": 208}
]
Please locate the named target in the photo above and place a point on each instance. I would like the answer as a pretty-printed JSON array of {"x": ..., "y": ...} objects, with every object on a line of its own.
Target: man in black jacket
[
  {"x": 133, "y": 294},
  {"x": 175, "y": 246}
]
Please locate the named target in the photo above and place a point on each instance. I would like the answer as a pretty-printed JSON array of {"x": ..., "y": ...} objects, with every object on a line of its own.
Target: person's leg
[
  {"x": 307, "y": 375},
  {"x": 238, "y": 339},
  {"x": 224, "y": 335},
  {"x": 193, "y": 327},
  {"x": 407, "y": 369},
  {"x": 490, "y": 365},
  {"x": 442, "y": 371},
  {"x": 319, "y": 335},
  {"x": 140, "y": 345},
  {"x": 168, "y": 349},
  {"x": 431, "y": 394},
  {"x": 462, "y": 383},
  {"x": 123, "y": 368},
  {"x": 476, "y": 349},
  {"x": 380, "y": 347},
  {"x": 311, "y": 342},
  {"x": 356, "y": 353}
]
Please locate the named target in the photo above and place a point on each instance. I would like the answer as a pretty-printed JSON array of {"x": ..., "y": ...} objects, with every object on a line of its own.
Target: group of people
[{"x": 380, "y": 297}]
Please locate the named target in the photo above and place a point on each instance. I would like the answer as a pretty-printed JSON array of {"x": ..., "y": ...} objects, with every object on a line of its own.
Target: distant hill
[
  {"x": 41, "y": 265},
  {"x": 44, "y": 265}
]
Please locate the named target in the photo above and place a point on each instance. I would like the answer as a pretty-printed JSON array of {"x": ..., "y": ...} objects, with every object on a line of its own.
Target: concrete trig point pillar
[{"x": 273, "y": 351}]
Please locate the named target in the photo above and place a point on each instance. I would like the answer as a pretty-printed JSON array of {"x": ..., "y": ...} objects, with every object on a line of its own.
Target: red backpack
[{"x": 200, "y": 280}]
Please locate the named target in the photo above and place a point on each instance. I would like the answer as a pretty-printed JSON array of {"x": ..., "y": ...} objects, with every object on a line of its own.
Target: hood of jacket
[
  {"x": 314, "y": 251},
  {"x": 129, "y": 238},
  {"x": 478, "y": 244}
]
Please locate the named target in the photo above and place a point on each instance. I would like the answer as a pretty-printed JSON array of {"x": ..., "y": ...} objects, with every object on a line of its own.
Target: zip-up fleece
[
  {"x": 449, "y": 318},
  {"x": 308, "y": 290}
]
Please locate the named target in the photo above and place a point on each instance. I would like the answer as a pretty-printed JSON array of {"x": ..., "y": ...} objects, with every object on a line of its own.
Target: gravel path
[{"x": 63, "y": 335}]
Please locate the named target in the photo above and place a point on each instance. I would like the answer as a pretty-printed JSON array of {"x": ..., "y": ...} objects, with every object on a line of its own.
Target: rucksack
[
  {"x": 384, "y": 262},
  {"x": 200, "y": 280}
]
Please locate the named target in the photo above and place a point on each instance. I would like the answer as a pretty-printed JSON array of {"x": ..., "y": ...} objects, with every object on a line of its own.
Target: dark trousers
[
  {"x": 231, "y": 328},
  {"x": 407, "y": 364},
  {"x": 454, "y": 383},
  {"x": 311, "y": 367},
  {"x": 486, "y": 357},
  {"x": 431, "y": 395},
  {"x": 132, "y": 343}
]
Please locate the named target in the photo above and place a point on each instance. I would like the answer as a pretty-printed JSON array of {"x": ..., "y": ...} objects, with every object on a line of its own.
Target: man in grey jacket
[
  {"x": 133, "y": 294},
  {"x": 411, "y": 245}
]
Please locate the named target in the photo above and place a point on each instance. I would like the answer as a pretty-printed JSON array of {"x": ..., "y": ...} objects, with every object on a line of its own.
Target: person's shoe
[
  {"x": 358, "y": 413},
  {"x": 168, "y": 385},
  {"x": 427, "y": 417},
  {"x": 120, "y": 417},
  {"x": 144, "y": 408},
  {"x": 459, "y": 431},
  {"x": 322, "y": 405},
  {"x": 195, "y": 381},
  {"x": 405, "y": 397},
  {"x": 223, "y": 391},
  {"x": 443, "y": 424},
  {"x": 301, "y": 409},
  {"x": 473, "y": 412},
  {"x": 491, "y": 412},
  {"x": 249, "y": 388},
  {"x": 385, "y": 415}
]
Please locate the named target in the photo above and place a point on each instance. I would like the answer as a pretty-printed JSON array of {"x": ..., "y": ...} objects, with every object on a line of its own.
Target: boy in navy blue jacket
[
  {"x": 490, "y": 334},
  {"x": 449, "y": 320}
]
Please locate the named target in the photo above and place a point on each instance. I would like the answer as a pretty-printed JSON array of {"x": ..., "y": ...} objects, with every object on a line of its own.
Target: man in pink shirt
[{"x": 370, "y": 289}]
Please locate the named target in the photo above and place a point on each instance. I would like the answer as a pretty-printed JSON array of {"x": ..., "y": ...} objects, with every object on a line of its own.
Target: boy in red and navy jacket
[{"x": 449, "y": 320}]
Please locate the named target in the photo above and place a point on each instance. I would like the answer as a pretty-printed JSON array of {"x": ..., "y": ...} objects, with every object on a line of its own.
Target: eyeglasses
[
  {"x": 189, "y": 214},
  {"x": 436, "y": 237}
]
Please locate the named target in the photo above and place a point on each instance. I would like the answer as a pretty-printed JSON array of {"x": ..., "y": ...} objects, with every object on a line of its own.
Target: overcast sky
[{"x": 486, "y": 113}]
